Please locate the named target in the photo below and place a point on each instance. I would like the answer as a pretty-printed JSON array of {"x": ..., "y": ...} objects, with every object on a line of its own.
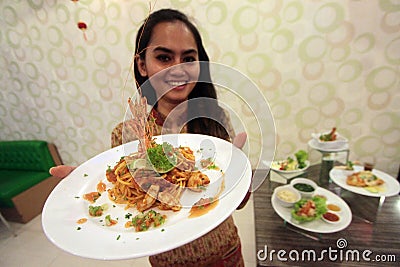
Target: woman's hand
[
  {"x": 240, "y": 140},
  {"x": 61, "y": 171}
]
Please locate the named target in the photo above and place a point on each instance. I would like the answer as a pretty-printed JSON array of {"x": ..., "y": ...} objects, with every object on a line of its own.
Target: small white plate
[{"x": 315, "y": 145}]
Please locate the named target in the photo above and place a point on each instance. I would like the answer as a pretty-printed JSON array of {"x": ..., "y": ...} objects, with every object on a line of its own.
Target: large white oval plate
[
  {"x": 391, "y": 187},
  {"x": 93, "y": 239},
  {"x": 317, "y": 226}
]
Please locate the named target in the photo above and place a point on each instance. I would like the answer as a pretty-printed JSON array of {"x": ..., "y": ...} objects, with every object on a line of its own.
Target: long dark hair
[{"x": 202, "y": 113}]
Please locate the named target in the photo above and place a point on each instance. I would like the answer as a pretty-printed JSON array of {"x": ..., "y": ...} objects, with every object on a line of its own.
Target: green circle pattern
[{"x": 299, "y": 53}]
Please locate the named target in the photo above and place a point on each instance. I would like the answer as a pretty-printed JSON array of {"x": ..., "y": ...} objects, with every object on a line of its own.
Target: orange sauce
[
  {"x": 81, "y": 221},
  {"x": 128, "y": 224},
  {"x": 204, "y": 205},
  {"x": 333, "y": 207},
  {"x": 91, "y": 197},
  {"x": 101, "y": 187},
  {"x": 199, "y": 210}
]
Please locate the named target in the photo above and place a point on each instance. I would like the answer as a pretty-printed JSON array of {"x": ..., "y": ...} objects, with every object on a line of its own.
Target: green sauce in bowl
[{"x": 304, "y": 187}]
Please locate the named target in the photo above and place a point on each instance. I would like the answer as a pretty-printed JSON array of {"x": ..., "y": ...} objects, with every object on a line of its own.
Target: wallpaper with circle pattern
[{"x": 318, "y": 63}]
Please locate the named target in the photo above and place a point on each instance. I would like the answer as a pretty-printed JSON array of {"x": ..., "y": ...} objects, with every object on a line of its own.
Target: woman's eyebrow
[{"x": 167, "y": 50}]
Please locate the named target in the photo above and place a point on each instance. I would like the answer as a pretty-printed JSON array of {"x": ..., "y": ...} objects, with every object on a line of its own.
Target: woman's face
[{"x": 171, "y": 43}]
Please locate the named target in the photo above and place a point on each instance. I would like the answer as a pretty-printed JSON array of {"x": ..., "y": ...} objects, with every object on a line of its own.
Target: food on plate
[
  {"x": 162, "y": 157},
  {"x": 209, "y": 164},
  {"x": 328, "y": 137},
  {"x": 306, "y": 210},
  {"x": 333, "y": 207},
  {"x": 304, "y": 187},
  {"x": 157, "y": 174},
  {"x": 101, "y": 187},
  {"x": 331, "y": 217},
  {"x": 320, "y": 196},
  {"x": 96, "y": 211},
  {"x": 143, "y": 221},
  {"x": 349, "y": 165},
  {"x": 364, "y": 179},
  {"x": 301, "y": 157},
  {"x": 290, "y": 164},
  {"x": 81, "y": 221},
  {"x": 287, "y": 195},
  {"x": 92, "y": 196},
  {"x": 203, "y": 206},
  {"x": 109, "y": 221}
]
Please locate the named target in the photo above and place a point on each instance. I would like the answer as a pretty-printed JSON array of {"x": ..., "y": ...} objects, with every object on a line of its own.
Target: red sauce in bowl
[{"x": 329, "y": 216}]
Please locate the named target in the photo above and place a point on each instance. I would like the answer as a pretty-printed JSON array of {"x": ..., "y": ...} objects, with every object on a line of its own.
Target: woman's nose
[{"x": 177, "y": 68}]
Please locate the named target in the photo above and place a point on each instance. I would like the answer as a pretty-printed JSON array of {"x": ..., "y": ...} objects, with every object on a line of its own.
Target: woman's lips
[{"x": 177, "y": 85}]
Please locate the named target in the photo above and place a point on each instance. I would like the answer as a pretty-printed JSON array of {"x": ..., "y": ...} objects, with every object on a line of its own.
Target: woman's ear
[{"x": 141, "y": 66}]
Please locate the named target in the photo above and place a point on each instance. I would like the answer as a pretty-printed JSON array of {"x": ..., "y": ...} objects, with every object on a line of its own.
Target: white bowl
[
  {"x": 286, "y": 195},
  {"x": 308, "y": 182},
  {"x": 340, "y": 141},
  {"x": 332, "y": 214}
]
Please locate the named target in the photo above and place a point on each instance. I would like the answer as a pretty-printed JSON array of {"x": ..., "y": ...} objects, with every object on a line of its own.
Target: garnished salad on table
[
  {"x": 306, "y": 210},
  {"x": 298, "y": 162}
]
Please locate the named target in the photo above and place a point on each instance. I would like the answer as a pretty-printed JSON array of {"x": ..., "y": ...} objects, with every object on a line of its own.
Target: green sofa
[{"x": 25, "y": 182}]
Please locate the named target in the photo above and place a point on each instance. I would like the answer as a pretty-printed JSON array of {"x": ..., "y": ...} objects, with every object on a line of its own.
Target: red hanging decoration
[{"x": 82, "y": 26}]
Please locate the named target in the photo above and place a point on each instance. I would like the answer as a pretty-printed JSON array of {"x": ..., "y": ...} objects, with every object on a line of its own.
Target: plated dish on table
[
  {"x": 84, "y": 216},
  {"x": 292, "y": 164},
  {"x": 328, "y": 141},
  {"x": 320, "y": 212},
  {"x": 373, "y": 183}
]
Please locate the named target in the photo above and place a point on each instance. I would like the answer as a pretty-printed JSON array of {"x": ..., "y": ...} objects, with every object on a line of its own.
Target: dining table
[{"x": 370, "y": 239}]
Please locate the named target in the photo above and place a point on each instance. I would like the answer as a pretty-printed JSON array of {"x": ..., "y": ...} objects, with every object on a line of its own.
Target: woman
[{"x": 167, "y": 67}]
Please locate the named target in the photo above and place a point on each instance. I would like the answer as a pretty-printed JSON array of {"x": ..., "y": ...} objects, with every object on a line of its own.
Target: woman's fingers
[
  {"x": 61, "y": 171},
  {"x": 240, "y": 140}
]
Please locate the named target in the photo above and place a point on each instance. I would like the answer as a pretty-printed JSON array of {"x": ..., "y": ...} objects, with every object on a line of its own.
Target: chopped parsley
[{"x": 163, "y": 157}]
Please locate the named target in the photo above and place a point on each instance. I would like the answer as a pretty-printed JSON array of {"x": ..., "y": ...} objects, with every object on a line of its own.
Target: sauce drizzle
[{"x": 204, "y": 205}]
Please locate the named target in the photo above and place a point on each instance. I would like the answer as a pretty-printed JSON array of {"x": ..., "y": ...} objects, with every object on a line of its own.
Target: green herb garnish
[{"x": 163, "y": 157}]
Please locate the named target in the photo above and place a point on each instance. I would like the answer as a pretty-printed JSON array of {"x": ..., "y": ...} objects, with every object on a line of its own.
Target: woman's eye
[
  {"x": 189, "y": 59},
  {"x": 163, "y": 58}
]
